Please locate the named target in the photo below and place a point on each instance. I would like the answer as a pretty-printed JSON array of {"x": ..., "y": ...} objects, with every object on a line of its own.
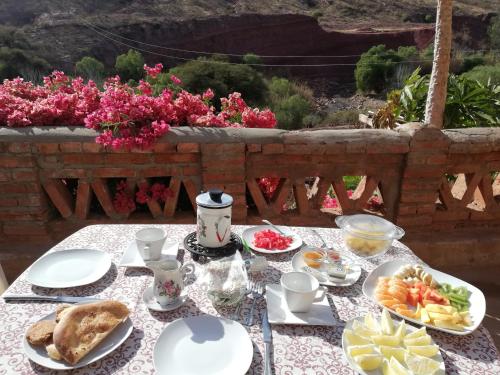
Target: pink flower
[
  {"x": 329, "y": 202},
  {"x": 208, "y": 95},
  {"x": 153, "y": 72},
  {"x": 175, "y": 80}
]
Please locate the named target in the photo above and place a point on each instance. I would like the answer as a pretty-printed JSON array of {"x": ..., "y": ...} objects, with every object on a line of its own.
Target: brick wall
[{"x": 438, "y": 185}]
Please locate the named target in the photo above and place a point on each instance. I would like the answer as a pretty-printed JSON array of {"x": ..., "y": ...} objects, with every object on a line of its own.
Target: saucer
[
  {"x": 132, "y": 258},
  {"x": 278, "y": 312},
  {"x": 152, "y": 304}
]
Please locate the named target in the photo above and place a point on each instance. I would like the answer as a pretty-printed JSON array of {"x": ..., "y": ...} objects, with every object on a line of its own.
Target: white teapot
[{"x": 213, "y": 218}]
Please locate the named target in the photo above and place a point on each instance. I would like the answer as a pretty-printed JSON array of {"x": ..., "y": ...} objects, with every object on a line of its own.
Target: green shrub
[
  {"x": 345, "y": 117},
  {"x": 130, "y": 65},
  {"x": 469, "y": 103},
  {"x": 485, "y": 74},
  {"x": 291, "y": 110},
  {"x": 469, "y": 62},
  {"x": 201, "y": 74},
  {"x": 291, "y": 102},
  {"x": 90, "y": 68},
  {"x": 14, "y": 61},
  {"x": 252, "y": 58},
  {"x": 375, "y": 68},
  {"x": 312, "y": 120},
  {"x": 494, "y": 32}
]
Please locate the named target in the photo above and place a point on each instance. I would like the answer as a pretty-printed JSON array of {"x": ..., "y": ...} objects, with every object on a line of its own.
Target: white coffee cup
[
  {"x": 150, "y": 242},
  {"x": 300, "y": 291}
]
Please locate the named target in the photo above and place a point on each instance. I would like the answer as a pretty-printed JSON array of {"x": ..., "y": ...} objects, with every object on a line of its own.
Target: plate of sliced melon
[
  {"x": 376, "y": 346},
  {"x": 426, "y": 296}
]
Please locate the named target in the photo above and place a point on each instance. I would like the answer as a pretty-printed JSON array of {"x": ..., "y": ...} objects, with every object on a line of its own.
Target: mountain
[{"x": 63, "y": 31}]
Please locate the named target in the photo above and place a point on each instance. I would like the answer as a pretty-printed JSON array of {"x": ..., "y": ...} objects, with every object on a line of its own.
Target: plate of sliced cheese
[{"x": 58, "y": 340}]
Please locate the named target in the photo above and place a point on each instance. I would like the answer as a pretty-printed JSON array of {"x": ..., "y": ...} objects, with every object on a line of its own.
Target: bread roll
[
  {"x": 53, "y": 353},
  {"x": 83, "y": 327}
]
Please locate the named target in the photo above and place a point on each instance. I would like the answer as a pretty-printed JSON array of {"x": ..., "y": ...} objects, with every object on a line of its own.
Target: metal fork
[{"x": 257, "y": 290}]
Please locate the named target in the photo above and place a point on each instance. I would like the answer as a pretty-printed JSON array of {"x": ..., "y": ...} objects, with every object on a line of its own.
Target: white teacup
[
  {"x": 150, "y": 242},
  {"x": 300, "y": 291}
]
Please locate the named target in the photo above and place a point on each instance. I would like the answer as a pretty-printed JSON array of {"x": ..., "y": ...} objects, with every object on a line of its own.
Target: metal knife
[
  {"x": 267, "y": 335},
  {"x": 35, "y": 298}
]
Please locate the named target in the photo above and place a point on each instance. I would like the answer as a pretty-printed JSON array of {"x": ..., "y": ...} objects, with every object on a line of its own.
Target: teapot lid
[{"x": 214, "y": 198}]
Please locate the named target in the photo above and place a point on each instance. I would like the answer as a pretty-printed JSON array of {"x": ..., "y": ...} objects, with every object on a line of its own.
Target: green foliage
[
  {"x": 130, "y": 65},
  {"x": 469, "y": 103},
  {"x": 317, "y": 14},
  {"x": 14, "y": 61},
  {"x": 13, "y": 38},
  {"x": 469, "y": 62},
  {"x": 485, "y": 74},
  {"x": 291, "y": 102},
  {"x": 90, "y": 68},
  {"x": 16, "y": 54},
  {"x": 252, "y": 58},
  {"x": 346, "y": 117},
  {"x": 376, "y": 67},
  {"x": 312, "y": 120},
  {"x": 351, "y": 182},
  {"x": 291, "y": 111},
  {"x": 494, "y": 32},
  {"x": 201, "y": 74}
]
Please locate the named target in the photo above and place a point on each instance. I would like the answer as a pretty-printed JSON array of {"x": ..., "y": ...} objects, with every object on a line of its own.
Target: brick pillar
[
  {"x": 425, "y": 167},
  {"x": 223, "y": 167},
  {"x": 24, "y": 210}
]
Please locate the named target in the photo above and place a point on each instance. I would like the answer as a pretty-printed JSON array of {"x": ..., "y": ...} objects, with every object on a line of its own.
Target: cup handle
[
  {"x": 147, "y": 251},
  {"x": 187, "y": 269},
  {"x": 322, "y": 291}
]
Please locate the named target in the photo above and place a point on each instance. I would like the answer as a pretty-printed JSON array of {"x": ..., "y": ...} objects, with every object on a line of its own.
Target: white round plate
[
  {"x": 39, "y": 355},
  {"x": 203, "y": 344},
  {"x": 249, "y": 234},
  {"x": 153, "y": 304},
  {"x": 353, "y": 271},
  {"x": 69, "y": 268},
  {"x": 409, "y": 329}
]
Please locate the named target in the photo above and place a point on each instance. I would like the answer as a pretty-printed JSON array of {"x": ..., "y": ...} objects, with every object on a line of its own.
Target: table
[{"x": 296, "y": 349}]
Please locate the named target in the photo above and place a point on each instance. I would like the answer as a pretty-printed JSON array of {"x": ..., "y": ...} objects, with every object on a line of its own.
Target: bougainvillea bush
[{"x": 126, "y": 116}]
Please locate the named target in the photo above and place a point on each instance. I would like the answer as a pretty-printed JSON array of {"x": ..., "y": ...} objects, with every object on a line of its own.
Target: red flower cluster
[
  {"x": 60, "y": 101},
  {"x": 157, "y": 192},
  {"x": 268, "y": 185},
  {"x": 123, "y": 201},
  {"x": 128, "y": 117}
]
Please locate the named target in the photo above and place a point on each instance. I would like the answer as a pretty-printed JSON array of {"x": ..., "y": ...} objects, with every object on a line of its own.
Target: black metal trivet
[{"x": 197, "y": 251}]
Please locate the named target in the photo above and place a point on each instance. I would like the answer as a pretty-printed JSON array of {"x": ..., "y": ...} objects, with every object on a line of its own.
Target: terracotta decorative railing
[{"x": 56, "y": 180}]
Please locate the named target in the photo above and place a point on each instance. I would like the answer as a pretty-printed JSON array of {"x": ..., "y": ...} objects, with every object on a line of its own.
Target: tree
[
  {"x": 130, "y": 65},
  {"x": 222, "y": 77},
  {"x": 494, "y": 33},
  {"x": 90, "y": 68},
  {"x": 377, "y": 66},
  {"x": 436, "y": 97},
  {"x": 252, "y": 58}
]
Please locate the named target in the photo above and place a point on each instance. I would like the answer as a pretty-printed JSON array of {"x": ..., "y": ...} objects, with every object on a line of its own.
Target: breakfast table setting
[{"x": 275, "y": 300}]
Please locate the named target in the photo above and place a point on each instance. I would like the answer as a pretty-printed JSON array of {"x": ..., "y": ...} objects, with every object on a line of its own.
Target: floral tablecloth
[{"x": 296, "y": 349}]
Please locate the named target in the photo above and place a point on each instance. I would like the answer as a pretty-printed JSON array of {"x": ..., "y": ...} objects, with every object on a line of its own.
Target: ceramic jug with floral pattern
[{"x": 168, "y": 279}]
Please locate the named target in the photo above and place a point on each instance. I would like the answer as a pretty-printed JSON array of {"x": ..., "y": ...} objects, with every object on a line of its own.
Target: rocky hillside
[{"x": 62, "y": 31}]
